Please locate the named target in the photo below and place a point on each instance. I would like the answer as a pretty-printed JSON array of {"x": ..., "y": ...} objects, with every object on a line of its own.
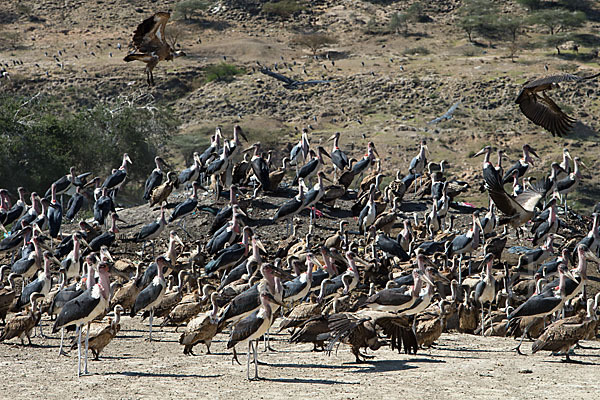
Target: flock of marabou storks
[
  {"x": 396, "y": 270},
  {"x": 390, "y": 275}
]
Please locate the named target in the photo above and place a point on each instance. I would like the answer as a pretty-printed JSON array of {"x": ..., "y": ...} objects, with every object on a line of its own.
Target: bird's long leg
[
  {"x": 87, "y": 346},
  {"x": 151, "y": 318},
  {"x": 482, "y": 320},
  {"x": 248, "y": 360},
  {"x": 235, "y": 358},
  {"x": 79, "y": 350},
  {"x": 62, "y": 338},
  {"x": 490, "y": 317},
  {"x": 518, "y": 348},
  {"x": 41, "y": 332},
  {"x": 256, "y": 360},
  {"x": 460, "y": 269}
]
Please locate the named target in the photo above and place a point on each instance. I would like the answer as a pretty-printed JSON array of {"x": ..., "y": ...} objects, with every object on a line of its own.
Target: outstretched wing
[
  {"x": 341, "y": 326},
  {"x": 398, "y": 330},
  {"x": 283, "y": 78},
  {"x": 150, "y": 34},
  {"x": 544, "y": 112},
  {"x": 547, "y": 80},
  {"x": 447, "y": 114},
  {"x": 503, "y": 200},
  {"x": 531, "y": 197}
]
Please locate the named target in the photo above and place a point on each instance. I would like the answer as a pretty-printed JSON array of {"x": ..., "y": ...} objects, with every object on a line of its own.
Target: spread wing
[
  {"x": 150, "y": 34},
  {"x": 544, "y": 112},
  {"x": 505, "y": 203},
  {"x": 275, "y": 75},
  {"x": 341, "y": 326},
  {"x": 399, "y": 332},
  {"x": 530, "y": 197},
  {"x": 556, "y": 79}
]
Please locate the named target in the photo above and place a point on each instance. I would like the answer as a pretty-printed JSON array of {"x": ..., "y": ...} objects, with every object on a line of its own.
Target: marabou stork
[
  {"x": 155, "y": 178},
  {"x": 465, "y": 243},
  {"x": 311, "y": 168},
  {"x": 55, "y": 214},
  {"x": 485, "y": 290},
  {"x": 291, "y": 208},
  {"x": 542, "y": 304},
  {"x": 151, "y": 231},
  {"x": 231, "y": 255},
  {"x": 117, "y": 178},
  {"x": 522, "y": 165},
  {"x": 191, "y": 174},
  {"x": 570, "y": 183},
  {"x": 151, "y": 295},
  {"x": 252, "y": 328},
  {"x": 338, "y": 157},
  {"x": 84, "y": 309}
]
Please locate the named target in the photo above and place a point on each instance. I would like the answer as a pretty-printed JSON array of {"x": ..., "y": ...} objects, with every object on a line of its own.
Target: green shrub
[
  {"x": 42, "y": 138},
  {"x": 222, "y": 72}
]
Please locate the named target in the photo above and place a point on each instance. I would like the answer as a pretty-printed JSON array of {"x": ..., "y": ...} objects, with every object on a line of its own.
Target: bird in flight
[
  {"x": 150, "y": 45},
  {"x": 538, "y": 107}
]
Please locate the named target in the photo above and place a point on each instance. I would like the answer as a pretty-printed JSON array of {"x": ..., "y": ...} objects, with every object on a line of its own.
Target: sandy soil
[{"x": 461, "y": 366}]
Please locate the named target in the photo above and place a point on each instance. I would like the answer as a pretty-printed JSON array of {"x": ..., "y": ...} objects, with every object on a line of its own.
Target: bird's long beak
[
  {"x": 278, "y": 272},
  {"x": 128, "y": 159},
  {"x": 317, "y": 262},
  {"x": 325, "y": 152},
  {"x": 480, "y": 152},
  {"x": 260, "y": 245},
  {"x": 241, "y": 132},
  {"x": 583, "y": 165},
  {"x": 426, "y": 279},
  {"x": 532, "y": 151},
  {"x": 570, "y": 275},
  {"x": 178, "y": 240},
  {"x": 84, "y": 242},
  {"x": 121, "y": 220},
  {"x": 375, "y": 151},
  {"x": 109, "y": 257},
  {"x": 90, "y": 183},
  {"x": 568, "y": 155},
  {"x": 3, "y": 229},
  {"x": 331, "y": 138},
  {"x": 55, "y": 260},
  {"x": 248, "y": 149}
]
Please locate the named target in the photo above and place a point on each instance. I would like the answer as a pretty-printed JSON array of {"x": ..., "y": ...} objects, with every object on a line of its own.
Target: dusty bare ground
[{"x": 461, "y": 366}]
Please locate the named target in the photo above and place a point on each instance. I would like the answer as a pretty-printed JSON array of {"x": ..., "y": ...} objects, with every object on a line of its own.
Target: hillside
[{"x": 393, "y": 84}]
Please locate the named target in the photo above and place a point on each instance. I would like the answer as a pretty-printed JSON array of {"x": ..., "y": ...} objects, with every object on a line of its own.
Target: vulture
[
  {"x": 149, "y": 44},
  {"x": 538, "y": 107},
  {"x": 359, "y": 330}
]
